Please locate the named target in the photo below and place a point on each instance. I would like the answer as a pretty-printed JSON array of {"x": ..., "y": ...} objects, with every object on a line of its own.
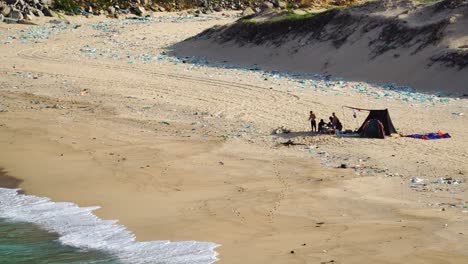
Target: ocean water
[
  {"x": 28, "y": 243},
  {"x": 37, "y": 230}
]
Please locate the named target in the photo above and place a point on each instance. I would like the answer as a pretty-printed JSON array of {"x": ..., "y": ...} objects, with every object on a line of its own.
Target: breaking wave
[{"x": 79, "y": 227}]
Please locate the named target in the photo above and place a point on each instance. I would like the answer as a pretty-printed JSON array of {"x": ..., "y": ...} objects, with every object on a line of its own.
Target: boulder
[
  {"x": 266, "y": 5},
  {"x": 38, "y": 13},
  {"x": 47, "y": 12},
  {"x": 2, "y": 18},
  {"x": 282, "y": 4},
  {"x": 111, "y": 10},
  {"x": 161, "y": 9},
  {"x": 248, "y": 12},
  {"x": 217, "y": 9},
  {"x": 139, "y": 10},
  {"x": 47, "y": 2},
  {"x": 16, "y": 14},
  {"x": 6, "y": 11},
  {"x": 11, "y": 2}
]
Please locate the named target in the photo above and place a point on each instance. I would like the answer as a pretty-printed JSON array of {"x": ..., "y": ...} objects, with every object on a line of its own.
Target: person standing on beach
[
  {"x": 336, "y": 122},
  {"x": 313, "y": 123}
]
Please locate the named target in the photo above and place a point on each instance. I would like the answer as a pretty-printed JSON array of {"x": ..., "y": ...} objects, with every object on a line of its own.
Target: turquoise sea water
[
  {"x": 36, "y": 230},
  {"x": 27, "y": 243}
]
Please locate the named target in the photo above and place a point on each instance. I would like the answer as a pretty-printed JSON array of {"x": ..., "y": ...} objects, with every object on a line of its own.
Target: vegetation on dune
[{"x": 281, "y": 18}]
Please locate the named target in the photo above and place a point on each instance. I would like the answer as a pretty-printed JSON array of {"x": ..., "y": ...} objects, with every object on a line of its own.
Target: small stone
[{"x": 292, "y": 252}]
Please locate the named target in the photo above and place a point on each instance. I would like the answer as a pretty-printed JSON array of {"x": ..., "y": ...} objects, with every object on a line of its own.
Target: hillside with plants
[{"x": 18, "y": 10}]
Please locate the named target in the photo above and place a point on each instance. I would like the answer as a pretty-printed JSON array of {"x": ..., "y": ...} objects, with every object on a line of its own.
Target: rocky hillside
[
  {"x": 19, "y": 10},
  {"x": 425, "y": 45}
]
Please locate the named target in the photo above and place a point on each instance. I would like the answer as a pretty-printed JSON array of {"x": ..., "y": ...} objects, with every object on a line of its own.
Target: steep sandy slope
[{"x": 421, "y": 45}]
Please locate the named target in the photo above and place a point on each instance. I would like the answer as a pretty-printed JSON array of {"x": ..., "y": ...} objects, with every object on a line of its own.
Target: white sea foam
[{"x": 79, "y": 227}]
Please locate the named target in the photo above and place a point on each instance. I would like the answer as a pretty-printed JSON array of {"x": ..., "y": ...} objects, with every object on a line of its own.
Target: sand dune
[{"x": 420, "y": 45}]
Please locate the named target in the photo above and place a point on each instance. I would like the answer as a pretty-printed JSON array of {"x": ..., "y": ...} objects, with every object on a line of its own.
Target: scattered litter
[
  {"x": 448, "y": 180},
  {"x": 430, "y": 136},
  {"x": 416, "y": 180}
]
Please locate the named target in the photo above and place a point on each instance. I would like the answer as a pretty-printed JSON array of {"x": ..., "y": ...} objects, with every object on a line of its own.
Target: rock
[
  {"x": 282, "y": 5},
  {"x": 38, "y": 13},
  {"x": 1, "y": 18},
  {"x": 266, "y": 5},
  {"x": 248, "y": 12},
  {"x": 11, "y": 2},
  {"x": 6, "y": 11},
  {"x": 29, "y": 17},
  {"x": 48, "y": 12},
  {"x": 161, "y": 9},
  {"x": 217, "y": 9},
  {"x": 139, "y": 10},
  {"x": 111, "y": 10},
  {"x": 16, "y": 14}
]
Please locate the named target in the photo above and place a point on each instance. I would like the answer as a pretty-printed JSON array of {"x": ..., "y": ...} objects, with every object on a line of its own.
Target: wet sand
[{"x": 7, "y": 181}]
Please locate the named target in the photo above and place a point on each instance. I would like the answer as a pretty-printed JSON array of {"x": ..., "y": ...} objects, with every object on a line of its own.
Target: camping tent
[
  {"x": 373, "y": 129},
  {"x": 381, "y": 115}
]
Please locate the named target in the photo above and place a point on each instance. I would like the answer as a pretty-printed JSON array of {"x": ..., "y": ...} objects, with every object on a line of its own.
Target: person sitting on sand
[
  {"x": 330, "y": 123},
  {"x": 313, "y": 123},
  {"x": 321, "y": 126},
  {"x": 339, "y": 126}
]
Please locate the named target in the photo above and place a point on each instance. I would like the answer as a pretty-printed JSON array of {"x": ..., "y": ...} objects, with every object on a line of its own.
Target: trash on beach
[
  {"x": 165, "y": 123},
  {"x": 457, "y": 114},
  {"x": 448, "y": 180},
  {"x": 290, "y": 143},
  {"x": 281, "y": 130},
  {"x": 311, "y": 147},
  {"x": 416, "y": 180},
  {"x": 84, "y": 92},
  {"x": 430, "y": 136}
]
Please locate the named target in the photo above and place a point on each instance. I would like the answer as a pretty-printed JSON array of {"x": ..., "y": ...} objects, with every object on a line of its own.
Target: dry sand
[{"x": 176, "y": 151}]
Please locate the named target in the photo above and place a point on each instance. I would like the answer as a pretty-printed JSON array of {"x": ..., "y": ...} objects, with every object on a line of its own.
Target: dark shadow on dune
[{"x": 390, "y": 35}]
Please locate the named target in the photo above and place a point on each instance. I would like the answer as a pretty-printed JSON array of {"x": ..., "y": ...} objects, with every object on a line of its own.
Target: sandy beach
[{"x": 95, "y": 113}]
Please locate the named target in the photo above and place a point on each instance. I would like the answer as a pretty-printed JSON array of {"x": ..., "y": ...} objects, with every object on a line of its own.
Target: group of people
[{"x": 333, "y": 124}]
